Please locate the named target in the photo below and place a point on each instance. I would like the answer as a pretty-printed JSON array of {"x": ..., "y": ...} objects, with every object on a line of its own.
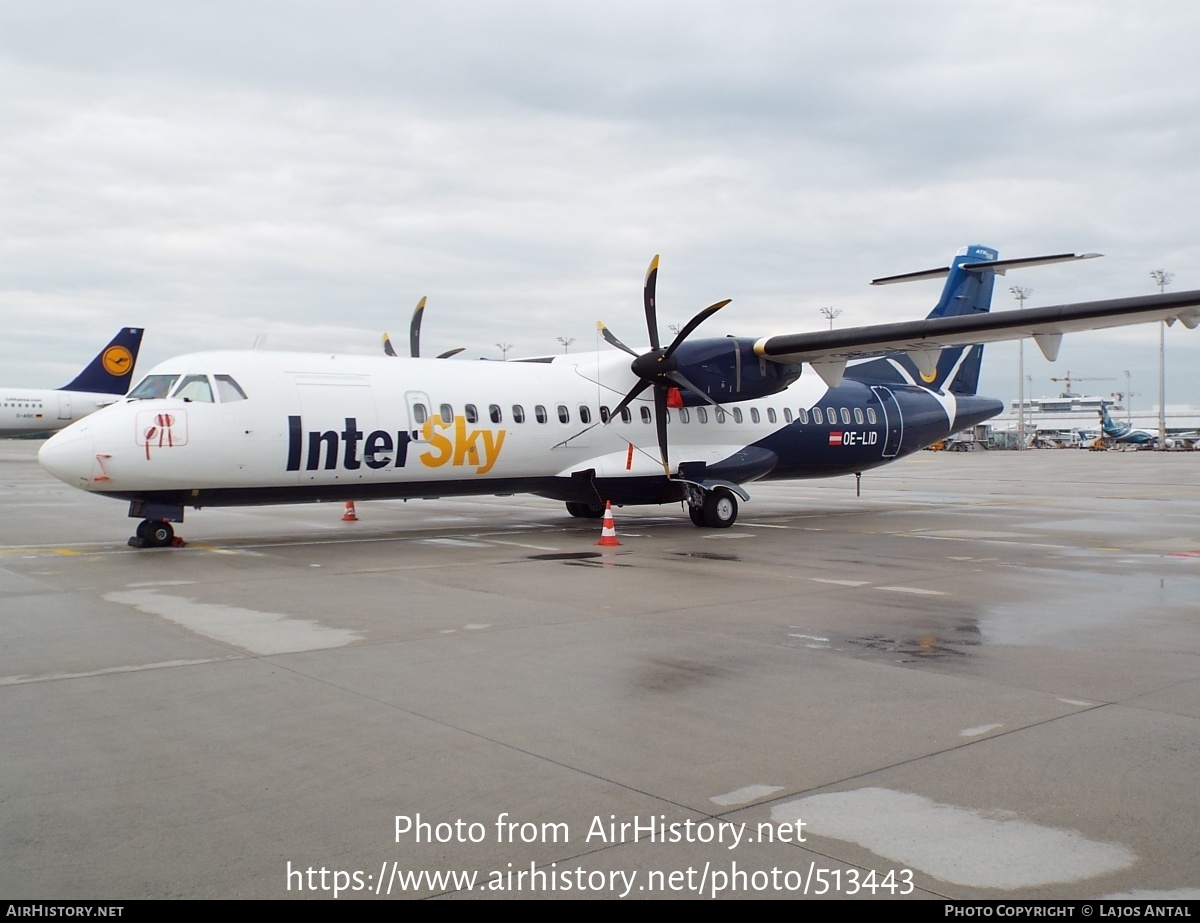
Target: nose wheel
[{"x": 153, "y": 533}]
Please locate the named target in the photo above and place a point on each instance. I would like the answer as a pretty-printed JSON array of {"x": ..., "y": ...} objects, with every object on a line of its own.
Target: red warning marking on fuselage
[{"x": 629, "y": 458}]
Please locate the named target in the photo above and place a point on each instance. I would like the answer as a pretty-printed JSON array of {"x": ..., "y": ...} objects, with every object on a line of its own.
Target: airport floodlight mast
[
  {"x": 566, "y": 343},
  {"x": 504, "y": 348},
  {"x": 831, "y": 313},
  {"x": 1162, "y": 279},
  {"x": 1020, "y": 292}
]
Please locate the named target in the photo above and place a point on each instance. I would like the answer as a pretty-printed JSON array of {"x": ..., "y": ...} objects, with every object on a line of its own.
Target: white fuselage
[
  {"x": 24, "y": 411},
  {"x": 451, "y": 426}
]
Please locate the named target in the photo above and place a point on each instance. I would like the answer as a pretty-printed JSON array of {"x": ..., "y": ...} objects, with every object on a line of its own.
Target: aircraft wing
[{"x": 829, "y": 350}]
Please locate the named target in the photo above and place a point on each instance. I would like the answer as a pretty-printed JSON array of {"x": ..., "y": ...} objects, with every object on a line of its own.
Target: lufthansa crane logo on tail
[{"x": 117, "y": 360}]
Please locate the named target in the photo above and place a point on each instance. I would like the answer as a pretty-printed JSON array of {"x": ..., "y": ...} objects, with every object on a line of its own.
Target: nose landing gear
[{"x": 153, "y": 533}]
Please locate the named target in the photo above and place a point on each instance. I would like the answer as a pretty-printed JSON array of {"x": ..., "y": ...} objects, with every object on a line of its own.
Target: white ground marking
[
  {"x": 745, "y": 794},
  {"x": 47, "y": 677},
  {"x": 260, "y": 632},
  {"x": 839, "y": 582},
  {"x": 955, "y": 844},
  {"x": 1078, "y": 702},
  {"x": 982, "y": 729},
  {"x": 915, "y": 590}
]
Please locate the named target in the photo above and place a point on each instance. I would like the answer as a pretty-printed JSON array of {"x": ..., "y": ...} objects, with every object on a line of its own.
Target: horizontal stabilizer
[{"x": 997, "y": 266}]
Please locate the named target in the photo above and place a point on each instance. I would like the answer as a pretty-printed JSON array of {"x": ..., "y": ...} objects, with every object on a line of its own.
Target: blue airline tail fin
[
  {"x": 967, "y": 291},
  {"x": 111, "y": 371}
]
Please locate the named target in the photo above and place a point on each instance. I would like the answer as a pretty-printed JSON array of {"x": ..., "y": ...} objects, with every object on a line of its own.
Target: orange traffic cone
[
  {"x": 608, "y": 535},
  {"x": 349, "y": 515}
]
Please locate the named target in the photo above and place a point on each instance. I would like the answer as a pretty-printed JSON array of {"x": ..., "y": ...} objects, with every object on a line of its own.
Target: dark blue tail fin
[
  {"x": 967, "y": 291},
  {"x": 112, "y": 370}
]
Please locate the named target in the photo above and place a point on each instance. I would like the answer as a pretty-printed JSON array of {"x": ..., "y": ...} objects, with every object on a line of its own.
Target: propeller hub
[{"x": 653, "y": 364}]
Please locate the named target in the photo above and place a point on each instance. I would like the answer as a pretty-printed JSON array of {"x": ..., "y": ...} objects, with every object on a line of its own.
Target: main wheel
[
  {"x": 697, "y": 515},
  {"x": 586, "y": 510},
  {"x": 720, "y": 508}
]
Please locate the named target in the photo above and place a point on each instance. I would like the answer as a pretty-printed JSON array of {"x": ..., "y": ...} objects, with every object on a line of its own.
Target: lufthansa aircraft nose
[{"x": 69, "y": 455}]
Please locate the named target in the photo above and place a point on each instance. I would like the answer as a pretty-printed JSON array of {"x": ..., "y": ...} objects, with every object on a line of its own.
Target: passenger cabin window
[
  {"x": 870, "y": 414},
  {"x": 518, "y": 413},
  {"x": 720, "y": 415},
  {"x": 229, "y": 390},
  {"x": 564, "y": 415},
  {"x": 737, "y": 414},
  {"x": 858, "y": 415},
  {"x": 646, "y": 417},
  {"x": 153, "y": 386},
  {"x": 771, "y": 416},
  {"x": 816, "y": 415},
  {"x": 803, "y": 415},
  {"x": 683, "y": 415},
  {"x": 754, "y": 417},
  {"x": 845, "y": 416},
  {"x": 195, "y": 388},
  {"x": 471, "y": 412},
  {"x": 447, "y": 413},
  {"x": 604, "y": 414},
  {"x": 626, "y": 415},
  {"x": 787, "y": 415},
  {"x": 702, "y": 414},
  {"x": 420, "y": 414},
  {"x": 494, "y": 414},
  {"x": 585, "y": 414},
  {"x": 540, "y": 412}
]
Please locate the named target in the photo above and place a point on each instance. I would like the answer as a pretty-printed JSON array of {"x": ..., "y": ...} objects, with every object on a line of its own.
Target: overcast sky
[{"x": 308, "y": 170}]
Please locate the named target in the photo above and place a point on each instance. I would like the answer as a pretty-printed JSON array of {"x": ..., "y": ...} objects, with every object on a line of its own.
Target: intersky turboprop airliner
[
  {"x": 247, "y": 428},
  {"x": 25, "y": 411}
]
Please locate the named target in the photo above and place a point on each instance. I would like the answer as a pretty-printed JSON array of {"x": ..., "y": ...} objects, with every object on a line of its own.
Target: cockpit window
[
  {"x": 153, "y": 386},
  {"x": 194, "y": 388},
  {"x": 229, "y": 390}
]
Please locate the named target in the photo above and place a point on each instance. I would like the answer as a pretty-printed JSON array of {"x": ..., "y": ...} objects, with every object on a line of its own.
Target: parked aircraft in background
[
  {"x": 691, "y": 421},
  {"x": 27, "y": 411},
  {"x": 1124, "y": 435}
]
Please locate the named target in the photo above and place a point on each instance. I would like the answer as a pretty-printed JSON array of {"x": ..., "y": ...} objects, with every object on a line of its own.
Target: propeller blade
[
  {"x": 693, "y": 324},
  {"x": 648, "y": 300},
  {"x": 414, "y": 330},
  {"x": 680, "y": 379},
  {"x": 660, "y": 420},
  {"x": 388, "y": 349},
  {"x": 451, "y": 352},
  {"x": 612, "y": 340},
  {"x": 637, "y": 389}
]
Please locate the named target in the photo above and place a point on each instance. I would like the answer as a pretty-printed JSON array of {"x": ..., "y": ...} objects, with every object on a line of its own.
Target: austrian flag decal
[{"x": 835, "y": 438}]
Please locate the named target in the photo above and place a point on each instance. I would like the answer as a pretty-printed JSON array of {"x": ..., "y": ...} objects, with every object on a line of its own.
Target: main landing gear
[
  {"x": 714, "y": 509},
  {"x": 153, "y": 533}
]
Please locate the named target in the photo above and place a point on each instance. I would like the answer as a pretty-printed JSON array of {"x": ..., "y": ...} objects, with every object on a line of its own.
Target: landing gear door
[
  {"x": 893, "y": 423},
  {"x": 420, "y": 409}
]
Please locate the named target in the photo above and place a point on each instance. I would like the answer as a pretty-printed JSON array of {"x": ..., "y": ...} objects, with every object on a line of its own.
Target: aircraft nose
[{"x": 69, "y": 456}]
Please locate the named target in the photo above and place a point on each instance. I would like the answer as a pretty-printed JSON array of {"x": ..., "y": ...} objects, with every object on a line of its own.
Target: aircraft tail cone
[
  {"x": 608, "y": 534},
  {"x": 349, "y": 515}
]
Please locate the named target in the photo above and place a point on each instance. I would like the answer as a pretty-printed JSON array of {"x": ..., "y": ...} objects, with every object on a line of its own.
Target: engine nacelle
[{"x": 727, "y": 370}]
